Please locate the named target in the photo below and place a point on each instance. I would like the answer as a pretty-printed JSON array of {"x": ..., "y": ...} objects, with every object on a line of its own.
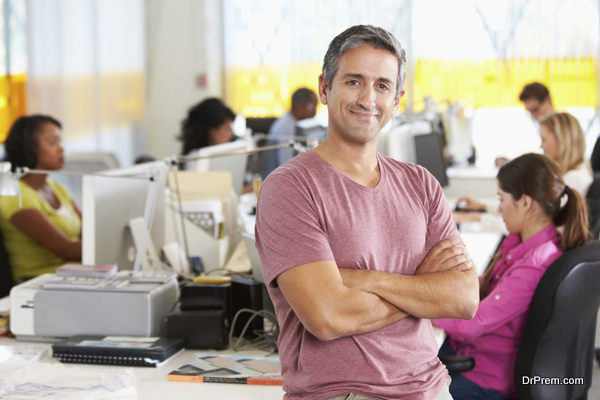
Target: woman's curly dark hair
[
  {"x": 22, "y": 141},
  {"x": 210, "y": 113}
]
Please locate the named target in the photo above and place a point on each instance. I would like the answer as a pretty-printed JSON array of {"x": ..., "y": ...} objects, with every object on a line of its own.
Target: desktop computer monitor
[
  {"x": 83, "y": 163},
  {"x": 236, "y": 164},
  {"x": 111, "y": 202},
  {"x": 429, "y": 154}
]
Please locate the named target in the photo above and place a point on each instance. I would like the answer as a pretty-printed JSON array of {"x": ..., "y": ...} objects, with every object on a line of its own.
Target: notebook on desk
[{"x": 117, "y": 350}]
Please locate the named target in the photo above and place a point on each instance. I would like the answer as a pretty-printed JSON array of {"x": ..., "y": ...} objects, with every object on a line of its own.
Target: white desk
[
  {"x": 152, "y": 383},
  {"x": 470, "y": 181}
]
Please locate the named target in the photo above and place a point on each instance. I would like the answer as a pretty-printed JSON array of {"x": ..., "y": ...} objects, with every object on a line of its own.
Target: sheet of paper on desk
[
  {"x": 15, "y": 357},
  {"x": 56, "y": 381}
]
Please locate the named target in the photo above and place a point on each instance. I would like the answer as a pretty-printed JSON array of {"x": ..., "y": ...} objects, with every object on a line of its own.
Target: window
[{"x": 13, "y": 63}]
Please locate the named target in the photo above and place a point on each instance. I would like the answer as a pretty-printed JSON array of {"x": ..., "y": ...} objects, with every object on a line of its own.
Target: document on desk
[
  {"x": 56, "y": 381},
  {"x": 15, "y": 357},
  {"x": 230, "y": 369}
]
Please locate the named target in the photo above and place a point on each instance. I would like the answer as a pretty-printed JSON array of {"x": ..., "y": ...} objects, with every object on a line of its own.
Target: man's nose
[{"x": 367, "y": 97}]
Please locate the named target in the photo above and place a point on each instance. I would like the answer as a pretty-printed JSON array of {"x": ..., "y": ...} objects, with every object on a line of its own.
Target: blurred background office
[{"x": 120, "y": 75}]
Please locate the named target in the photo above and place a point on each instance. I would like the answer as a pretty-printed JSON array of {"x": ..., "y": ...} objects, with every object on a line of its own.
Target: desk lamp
[
  {"x": 9, "y": 186},
  {"x": 311, "y": 141}
]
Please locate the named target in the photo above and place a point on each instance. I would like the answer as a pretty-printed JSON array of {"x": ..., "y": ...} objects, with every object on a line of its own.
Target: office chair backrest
[
  {"x": 6, "y": 278},
  {"x": 595, "y": 158},
  {"x": 558, "y": 340},
  {"x": 593, "y": 200}
]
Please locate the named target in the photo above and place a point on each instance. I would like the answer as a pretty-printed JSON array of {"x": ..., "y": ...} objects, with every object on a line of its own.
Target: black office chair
[
  {"x": 595, "y": 158},
  {"x": 6, "y": 278},
  {"x": 593, "y": 200},
  {"x": 558, "y": 339}
]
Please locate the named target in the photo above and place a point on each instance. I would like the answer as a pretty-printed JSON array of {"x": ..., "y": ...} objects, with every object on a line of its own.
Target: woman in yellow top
[{"x": 45, "y": 230}]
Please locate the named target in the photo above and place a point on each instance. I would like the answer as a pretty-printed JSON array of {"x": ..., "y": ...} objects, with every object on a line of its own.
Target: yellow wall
[
  {"x": 13, "y": 101},
  {"x": 267, "y": 91},
  {"x": 573, "y": 82},
  {"x": 121, "y": 100}
]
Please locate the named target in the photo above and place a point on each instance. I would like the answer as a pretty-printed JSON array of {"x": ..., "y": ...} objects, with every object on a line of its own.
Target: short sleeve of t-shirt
[{"x": 290, "y": 234}]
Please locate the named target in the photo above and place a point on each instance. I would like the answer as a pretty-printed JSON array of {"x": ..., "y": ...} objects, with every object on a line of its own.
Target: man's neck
[{"x": 357, "y": 161}]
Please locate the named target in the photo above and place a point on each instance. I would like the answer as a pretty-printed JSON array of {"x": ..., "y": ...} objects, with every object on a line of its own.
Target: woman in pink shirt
[{"x": 531, "y": 192}]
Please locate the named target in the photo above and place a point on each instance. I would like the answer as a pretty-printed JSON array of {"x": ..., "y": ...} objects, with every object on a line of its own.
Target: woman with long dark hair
[
  {"x": 207, "y": 123},
  {"x": 532, "y": 203},
  {"x": 44, "y": 231}
]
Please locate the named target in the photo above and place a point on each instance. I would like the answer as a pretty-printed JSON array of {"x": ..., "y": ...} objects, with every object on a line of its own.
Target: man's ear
[
  {"x": 397, "y": 102},
  {"x": 323, "y": 88}
]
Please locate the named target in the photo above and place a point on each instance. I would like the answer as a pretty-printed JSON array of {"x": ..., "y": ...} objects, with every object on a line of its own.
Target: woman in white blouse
[{"x": 563, "y": 141}]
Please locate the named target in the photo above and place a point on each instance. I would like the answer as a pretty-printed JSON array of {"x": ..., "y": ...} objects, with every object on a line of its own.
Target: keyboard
[{"x": 151, "y": 276}]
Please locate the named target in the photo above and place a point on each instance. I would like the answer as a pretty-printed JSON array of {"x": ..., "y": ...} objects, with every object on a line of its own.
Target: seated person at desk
[
  {"x": 44, "y": 231},
  {"x": 207, "y": 124},
  {"x": 304, "y": 105},
  {"x": 531, "y": 192},
  {"x": 563, "y": 141},
  {"x": 537, "y": 101}
]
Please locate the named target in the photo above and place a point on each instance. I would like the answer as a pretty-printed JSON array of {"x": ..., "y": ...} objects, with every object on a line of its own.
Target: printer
[{"x": 48, "y": 307}]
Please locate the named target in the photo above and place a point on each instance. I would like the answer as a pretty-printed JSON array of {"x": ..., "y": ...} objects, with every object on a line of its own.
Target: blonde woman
[{"x": 563, "y": 142}]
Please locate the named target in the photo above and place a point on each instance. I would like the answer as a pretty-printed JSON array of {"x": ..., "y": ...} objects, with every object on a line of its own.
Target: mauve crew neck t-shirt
[{"x": 308, "y": 211}]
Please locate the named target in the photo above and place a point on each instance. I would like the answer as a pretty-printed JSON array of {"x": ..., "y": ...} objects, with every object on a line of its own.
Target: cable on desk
[
  {"x": 265, "y": 339},
  {"x": 175, "y": 305}
]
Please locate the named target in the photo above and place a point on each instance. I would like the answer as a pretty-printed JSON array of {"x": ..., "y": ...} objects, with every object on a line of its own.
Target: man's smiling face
[{"x": 362, "y": 97}]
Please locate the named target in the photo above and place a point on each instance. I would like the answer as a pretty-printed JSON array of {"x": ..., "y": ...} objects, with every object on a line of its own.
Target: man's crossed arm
[{"x": 333, "y": 303}]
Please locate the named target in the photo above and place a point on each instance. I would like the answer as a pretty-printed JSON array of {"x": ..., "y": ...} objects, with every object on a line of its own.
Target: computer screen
[
  {"x": 110, "y": 203},
  {"x": 428, "y": 152},
  {"x": 84, "y": 163},
  {"x": 236, "y": 164}
]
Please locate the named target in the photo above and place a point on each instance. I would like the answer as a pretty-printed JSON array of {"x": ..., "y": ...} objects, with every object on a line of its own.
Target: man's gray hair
[{"x": 360, "y": 35}]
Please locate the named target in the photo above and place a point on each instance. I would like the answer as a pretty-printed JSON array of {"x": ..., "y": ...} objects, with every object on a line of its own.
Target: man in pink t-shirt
[{"x": 358, "y": 250}]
